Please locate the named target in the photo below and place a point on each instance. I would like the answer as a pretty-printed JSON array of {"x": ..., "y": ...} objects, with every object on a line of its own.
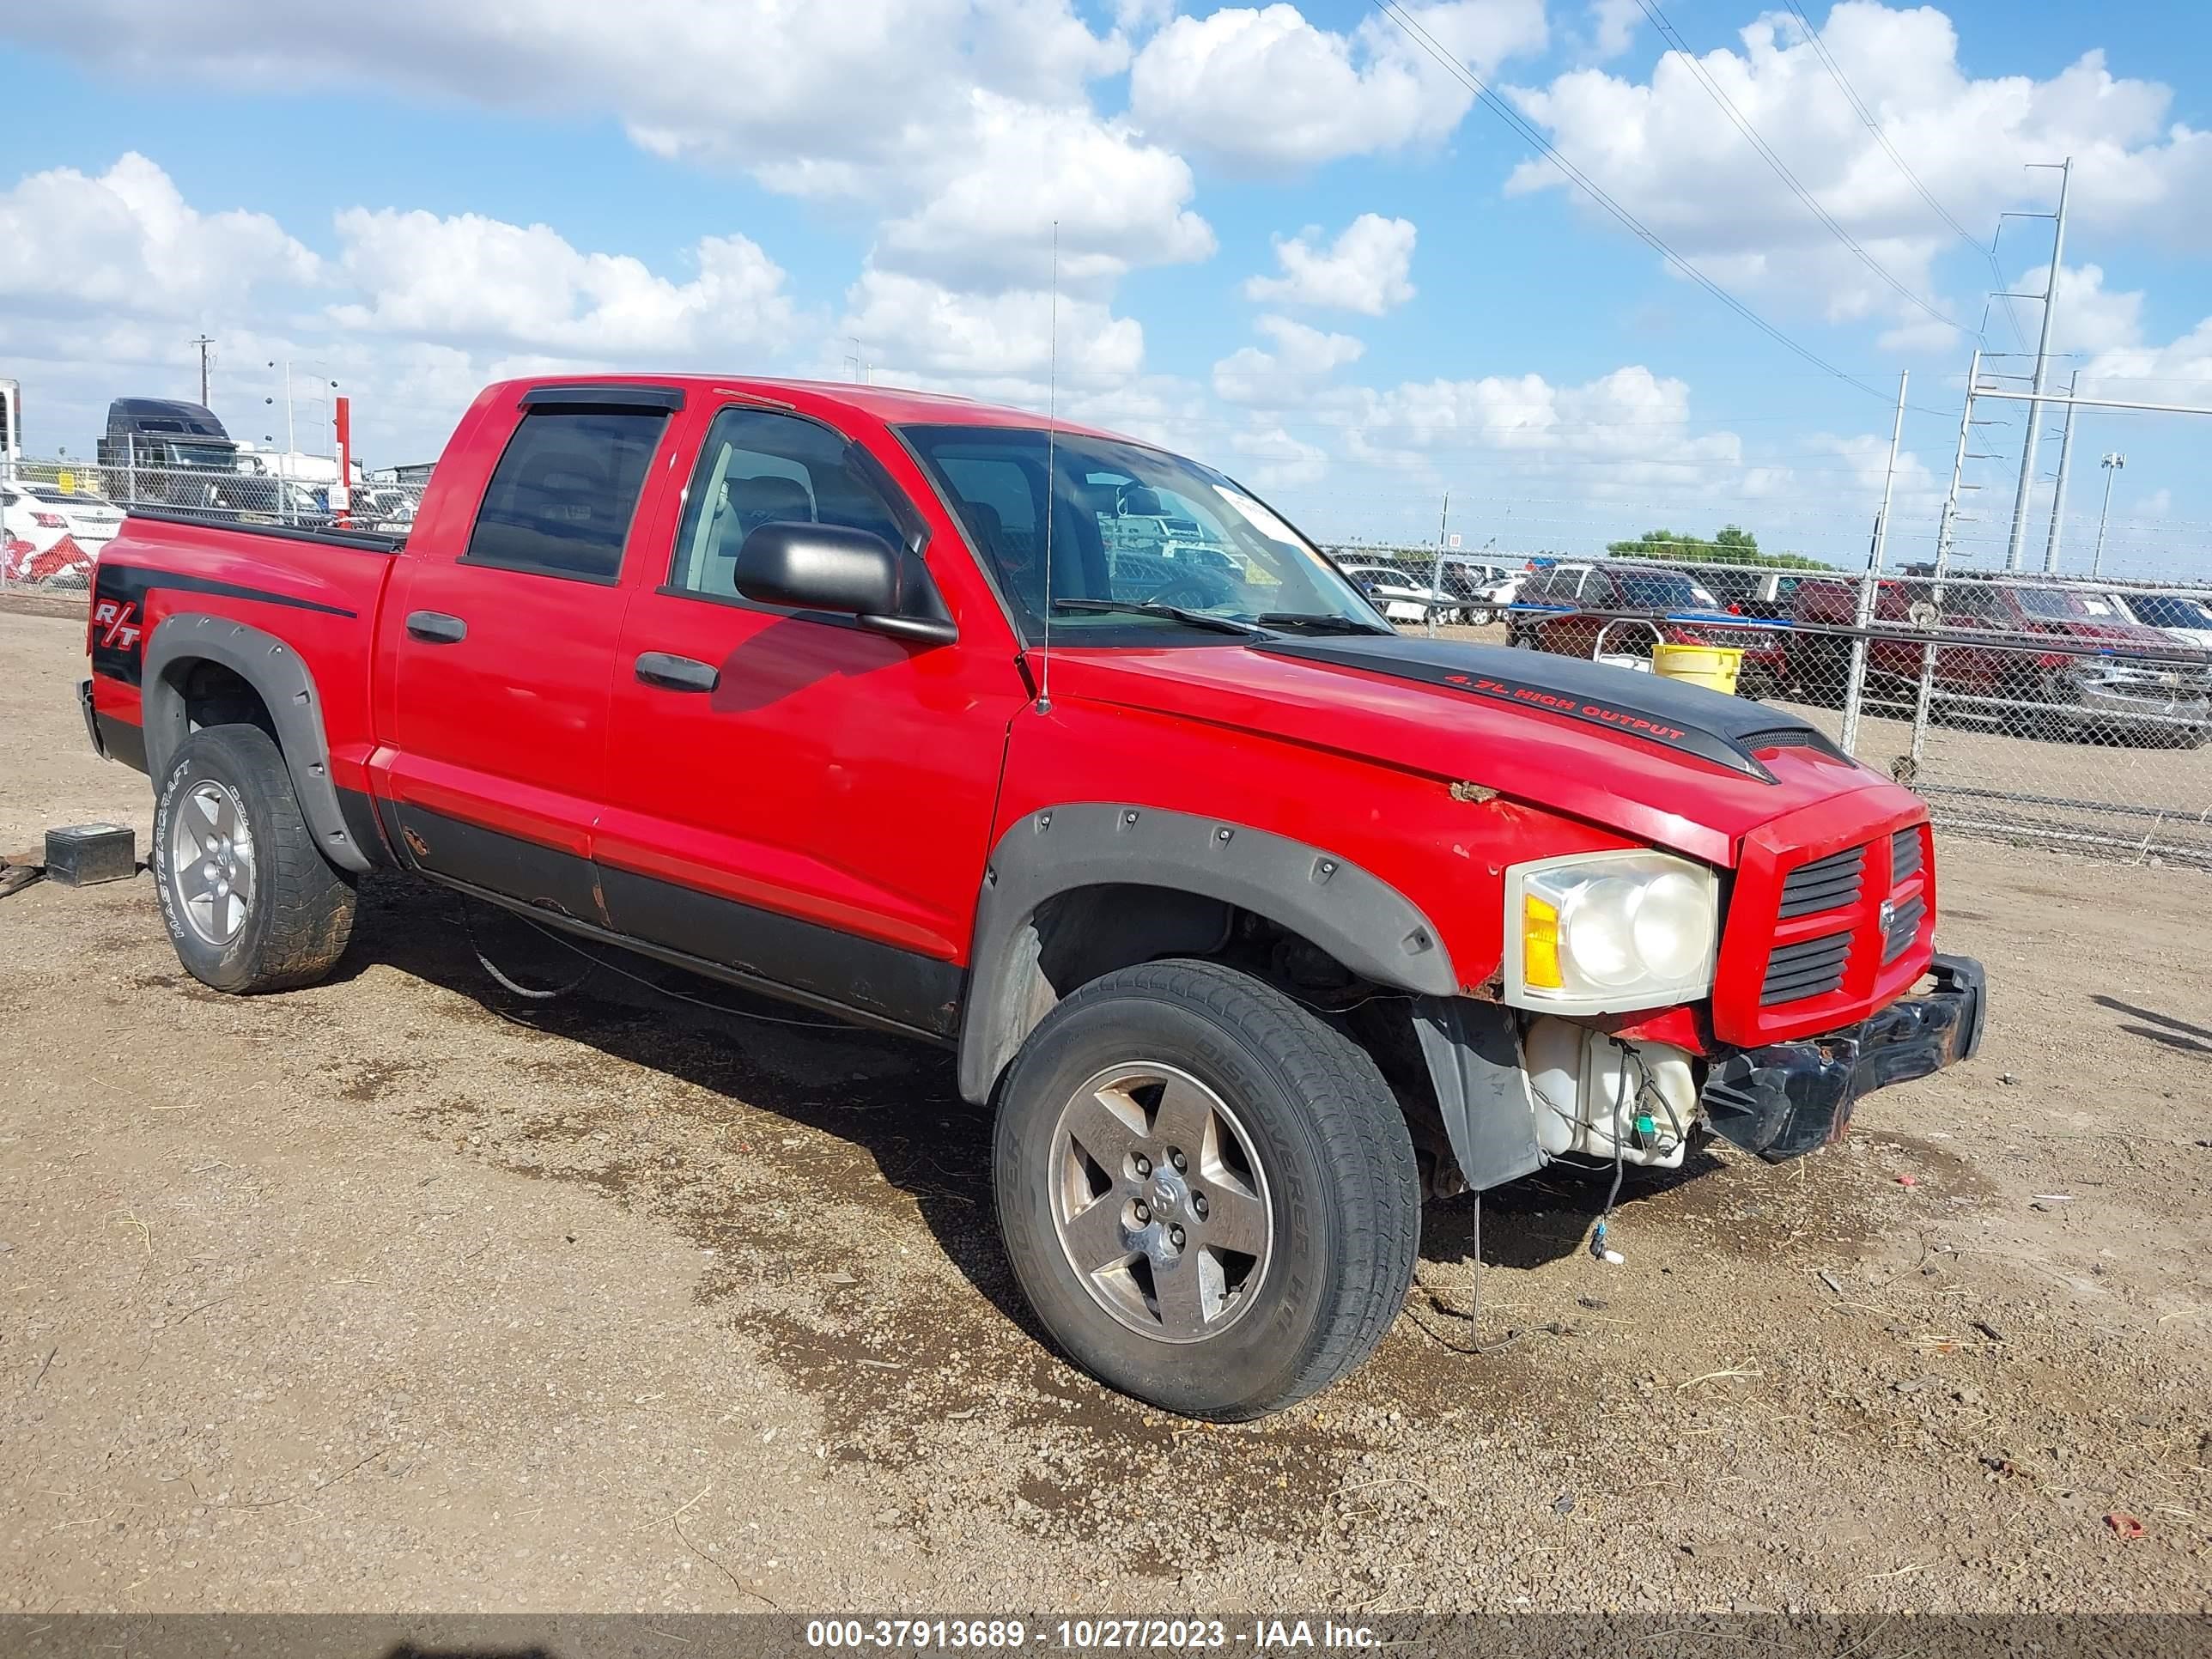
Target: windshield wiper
[
  {"x": 1326, "y": 623},
  {"x": 1172, "y": 612}
]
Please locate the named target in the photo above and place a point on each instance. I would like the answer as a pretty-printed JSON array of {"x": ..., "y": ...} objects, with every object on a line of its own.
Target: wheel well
[
  {"x": 214, "y": 694},
  {"x": 1076, "y": 936}
]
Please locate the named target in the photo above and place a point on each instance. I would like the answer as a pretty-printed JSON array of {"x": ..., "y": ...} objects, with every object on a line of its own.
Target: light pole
[{"x": 2112, "y": 464}]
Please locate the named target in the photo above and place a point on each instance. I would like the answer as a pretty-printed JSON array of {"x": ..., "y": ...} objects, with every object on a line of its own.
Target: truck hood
[{"x": 1657, "y": 761}]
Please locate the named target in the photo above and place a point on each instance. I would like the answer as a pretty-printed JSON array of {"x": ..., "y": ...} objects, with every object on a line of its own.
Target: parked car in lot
[
  {"x": 1399, "y": 595},
  {"x": 1479, "y": 591},
  {"x": 387, "y": 507},
  {"x": 2050, "y": 661},
  {"x": 1616, "y": 608},
  {"x": 49, "y": 534},
  {"x": 1251, "y": 920},
  {"x": 1767, "y": 595},
  {"x": 2186, "y": 621}
]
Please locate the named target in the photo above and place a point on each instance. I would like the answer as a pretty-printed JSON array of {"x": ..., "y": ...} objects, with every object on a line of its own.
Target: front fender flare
[
  {"x": 278, "y": 674},
  {"x": 1364, "y": 922}
]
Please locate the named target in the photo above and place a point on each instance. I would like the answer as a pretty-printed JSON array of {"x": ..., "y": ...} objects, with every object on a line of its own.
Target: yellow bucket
[{"x": 1715, "y": 666}]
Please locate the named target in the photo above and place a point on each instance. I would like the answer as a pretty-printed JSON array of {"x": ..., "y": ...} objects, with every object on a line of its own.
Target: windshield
[
  {"x": 1128, "y": 526},
  {"x": 2064, "y": 604},
  {"x": 1651, "y": 590},
  {"x": 2169, "y": 610}
]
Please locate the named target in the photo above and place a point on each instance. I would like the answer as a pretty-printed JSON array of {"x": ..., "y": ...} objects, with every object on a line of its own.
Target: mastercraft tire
[
  {"x": 249, "y": 902},
  {"x": 1208, "y": 1195}
]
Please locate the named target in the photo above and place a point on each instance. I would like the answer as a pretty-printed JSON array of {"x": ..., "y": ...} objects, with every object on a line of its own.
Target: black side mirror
[{"x": 826, "y": 567}]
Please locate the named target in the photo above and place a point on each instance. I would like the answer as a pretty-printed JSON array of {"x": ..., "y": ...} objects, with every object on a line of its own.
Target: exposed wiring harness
[{"x": 593, "y": 961}]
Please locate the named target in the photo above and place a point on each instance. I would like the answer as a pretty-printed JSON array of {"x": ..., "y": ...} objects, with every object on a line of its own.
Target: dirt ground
[{"x": 404, "y": 1292}]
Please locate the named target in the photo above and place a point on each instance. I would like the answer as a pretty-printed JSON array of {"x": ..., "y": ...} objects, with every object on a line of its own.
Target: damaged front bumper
[{"x": 1789, "y": 1098}]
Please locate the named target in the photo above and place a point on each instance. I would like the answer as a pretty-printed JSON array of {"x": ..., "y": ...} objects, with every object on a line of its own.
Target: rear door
[
  {"x": 502, "y": 632},
  {"x": 791, "y": 795}
]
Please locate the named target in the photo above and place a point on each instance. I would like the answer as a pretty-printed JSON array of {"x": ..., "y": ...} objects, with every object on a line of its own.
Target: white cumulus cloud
[
  {"x": 966, "y": 124},
  {"x": 470, "y": 279},
  {"x": 1301, "y": 359},
  {"x": 918, "y": 331},
  {"x": 128, "y": 242},
  {"x": 1118, "y": 203},
  {"x": 1265, "y": 89},
  {"x": 1364, "y": 269},
  {"x": 1665, "y": 148}
]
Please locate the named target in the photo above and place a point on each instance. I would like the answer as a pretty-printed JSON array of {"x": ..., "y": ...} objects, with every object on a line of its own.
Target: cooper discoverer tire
[
  {"x": 1208, "y": 1195},
  {"x": 250, "y": 902}
]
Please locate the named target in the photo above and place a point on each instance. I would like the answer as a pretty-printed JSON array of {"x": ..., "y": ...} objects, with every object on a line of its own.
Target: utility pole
[
  {"x": 2066, "y": 463},
  {"x": 2042, "y": 370},
  {"x": 1854, "y": 689},
  {"x": 1437, "y": 567},
  {"x": 203, "y": 342},
  {"x": 1946, "y": 531},
  {"x": 2112, "y": 463}
]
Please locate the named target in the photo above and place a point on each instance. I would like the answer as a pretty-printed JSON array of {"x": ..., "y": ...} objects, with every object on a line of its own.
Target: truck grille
[
  {"x": 1903, "y": 927},
  {"x": 1810, "y": 968},
  {"x": 1829, "y": 884},
  {"x": 1905, "y": 854}
]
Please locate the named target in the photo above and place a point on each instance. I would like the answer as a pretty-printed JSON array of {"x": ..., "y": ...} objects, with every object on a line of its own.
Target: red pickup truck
[{"x": 1255, "y": 921}]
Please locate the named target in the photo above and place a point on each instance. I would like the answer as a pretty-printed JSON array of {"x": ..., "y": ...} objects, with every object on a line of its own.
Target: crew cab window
[
  {"x": 561, "y": 499},
  {"x": 760, "y": 467}
]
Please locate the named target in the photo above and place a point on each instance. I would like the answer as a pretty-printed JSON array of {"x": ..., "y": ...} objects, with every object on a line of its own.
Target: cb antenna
[{"x": 1051, "y": 416}]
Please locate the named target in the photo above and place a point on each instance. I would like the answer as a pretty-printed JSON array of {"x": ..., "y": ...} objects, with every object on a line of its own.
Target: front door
[{"x": 790, "y": 795}]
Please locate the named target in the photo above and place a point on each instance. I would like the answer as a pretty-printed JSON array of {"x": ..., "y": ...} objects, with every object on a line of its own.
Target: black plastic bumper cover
[{"x": 1785, "y": 1100}]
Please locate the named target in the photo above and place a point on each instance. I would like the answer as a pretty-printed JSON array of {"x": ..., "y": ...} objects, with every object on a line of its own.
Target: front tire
[
  {"x": 1208, "y": 1195},
  {"x": 250, "y": 902}
]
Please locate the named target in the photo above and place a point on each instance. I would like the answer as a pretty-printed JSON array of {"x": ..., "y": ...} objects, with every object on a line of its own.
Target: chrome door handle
[
  {"x": 436, "y": 628},
  {"x": 674, "y": 673}
]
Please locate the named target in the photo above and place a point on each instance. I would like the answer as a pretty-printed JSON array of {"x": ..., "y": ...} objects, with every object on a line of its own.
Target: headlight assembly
[{"x": 1606, "y": 932}]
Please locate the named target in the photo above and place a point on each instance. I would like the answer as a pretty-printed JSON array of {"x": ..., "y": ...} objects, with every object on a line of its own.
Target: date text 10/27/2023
[{"x": 1083, "y": 1634}]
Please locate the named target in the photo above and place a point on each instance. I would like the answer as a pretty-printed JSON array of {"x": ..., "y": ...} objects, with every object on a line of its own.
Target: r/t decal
[{"x": 118, "y": 620}]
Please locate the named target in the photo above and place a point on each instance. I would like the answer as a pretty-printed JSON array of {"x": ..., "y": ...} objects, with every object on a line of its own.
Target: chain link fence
[
  {"x": 2054, "y": 711},
  {"x": 55, "y": 516},
  {"x": 2061, "y": 712}
]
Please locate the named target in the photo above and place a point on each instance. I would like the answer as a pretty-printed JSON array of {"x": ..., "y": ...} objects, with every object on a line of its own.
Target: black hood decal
[{"x": 1689, "y": 720}]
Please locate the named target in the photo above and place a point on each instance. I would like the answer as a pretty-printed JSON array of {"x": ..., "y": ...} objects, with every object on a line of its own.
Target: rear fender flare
[
  {"x": 1364, "y": 922},
  {"x": 281, "y": 677}
]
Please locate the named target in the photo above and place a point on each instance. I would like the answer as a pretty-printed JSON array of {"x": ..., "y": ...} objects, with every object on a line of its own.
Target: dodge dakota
[{"x": 1252, "y": 921}]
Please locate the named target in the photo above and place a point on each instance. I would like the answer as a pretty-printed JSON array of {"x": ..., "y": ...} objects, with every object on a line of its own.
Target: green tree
[{"x": 1729, "y": 544}]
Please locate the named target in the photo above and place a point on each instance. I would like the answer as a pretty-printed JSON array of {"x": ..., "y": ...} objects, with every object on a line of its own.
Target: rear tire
[
  {"x": 1265, "y": 1265},
  {"x": 250, "y": 902}
]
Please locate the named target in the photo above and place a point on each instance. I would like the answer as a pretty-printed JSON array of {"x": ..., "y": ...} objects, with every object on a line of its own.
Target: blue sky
[{"x": 1291, "y": 243}]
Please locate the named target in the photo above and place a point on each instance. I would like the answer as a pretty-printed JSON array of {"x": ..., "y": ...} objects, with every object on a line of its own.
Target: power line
[
  {"x": 1873, "y": 125},
  {"x": 1643, "y": 233},
  {"x": 1728, "y": 107}
]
